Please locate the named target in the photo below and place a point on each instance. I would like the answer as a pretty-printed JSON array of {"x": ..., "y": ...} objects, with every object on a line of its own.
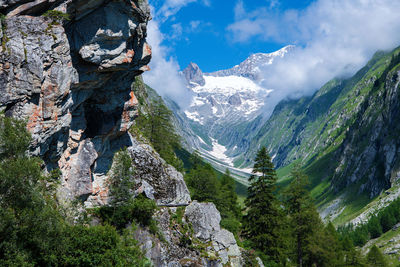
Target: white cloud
[
  {"x": 239, "y": 10},
  {"x": 334, "y": 38},
  {"x": 177, "y": 31},
  {"x": 194, "y": 24},
  {"x": 164, "y": 74},
  {"x": 171, "y": 7}
]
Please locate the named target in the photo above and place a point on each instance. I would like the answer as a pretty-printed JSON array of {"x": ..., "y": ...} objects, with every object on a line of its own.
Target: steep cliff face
[
  {"x": 75, "y": 83},
  {"x": 72, "y": 82},
  {"x": 370, "y": 153}
]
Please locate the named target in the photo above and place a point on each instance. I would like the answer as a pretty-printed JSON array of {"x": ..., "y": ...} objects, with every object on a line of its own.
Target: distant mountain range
[
  {"x": 226, "y": 111},
  {"x": 346, "y": 135}
]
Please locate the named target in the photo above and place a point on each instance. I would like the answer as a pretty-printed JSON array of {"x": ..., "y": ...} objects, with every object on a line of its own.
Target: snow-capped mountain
[
  {"x": 250, "y": 67},
  {"x": 226, "y": 99},
  {"x": 227, "y": 107}
]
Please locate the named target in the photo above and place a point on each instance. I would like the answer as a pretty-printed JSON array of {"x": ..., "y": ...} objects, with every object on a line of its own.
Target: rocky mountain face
[
  {"x": 251, "y": 66},
  {"x": 75, "y": 82},
  {"x": 227, "y": 107},
  {"x": 72, "y": 83},
  {"x": 346, "y": 134},
  {"x": 193, "y": 74}
]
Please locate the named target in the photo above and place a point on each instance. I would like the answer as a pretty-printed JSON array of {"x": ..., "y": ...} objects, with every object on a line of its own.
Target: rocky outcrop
[
  {"x": 205, "y": 219},
  {"x": 192, "y": 237},
  {"x": 72, "y": 82},
  {"x": 156, "y": 176},
  {"x": 193, "y": 74}
]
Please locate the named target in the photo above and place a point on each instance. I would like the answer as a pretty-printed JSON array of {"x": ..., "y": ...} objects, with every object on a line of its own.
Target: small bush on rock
[{"x": 56, "y": 16}]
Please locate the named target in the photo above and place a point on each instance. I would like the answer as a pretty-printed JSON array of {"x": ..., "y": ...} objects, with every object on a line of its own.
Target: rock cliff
[
  {"x": 72, "y": 81},
  {"x": 370, "y": 153},
  {"x": 68, "y": 67}
]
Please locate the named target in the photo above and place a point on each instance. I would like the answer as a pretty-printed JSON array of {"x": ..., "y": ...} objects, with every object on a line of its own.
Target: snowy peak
[
  {"x": 227, "y": 106},
  {"x": 250, "y": 67},
  {"x": 193, "y": 74}
]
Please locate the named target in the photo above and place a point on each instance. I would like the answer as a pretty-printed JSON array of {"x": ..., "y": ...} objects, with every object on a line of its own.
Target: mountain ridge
[{"x": 227, "y": 107}]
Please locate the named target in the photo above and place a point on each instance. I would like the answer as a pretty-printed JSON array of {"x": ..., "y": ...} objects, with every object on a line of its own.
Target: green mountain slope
[{"x": 345, "y": 135}]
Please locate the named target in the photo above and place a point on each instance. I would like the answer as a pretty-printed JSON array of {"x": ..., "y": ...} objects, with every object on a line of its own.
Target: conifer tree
[
  {"x": 202, "y": 182},
  {"x": 352, "y": 257},
  {"x": 158, "y": 128},
  {"x": 121, "y": 178},
  {"x": 228, "y": 196},
  {"x": 262, "y": 224},
  {"x": 305, "y": 223},
  {"x": 375, "y": 257},
  {"x": 228, "y": 204}
]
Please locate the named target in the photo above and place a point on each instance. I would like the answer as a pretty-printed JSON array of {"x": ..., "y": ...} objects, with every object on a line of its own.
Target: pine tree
[
  {"x": 203, "y": 183},
  {"x": 374, "y": 227},
  {"x": 387, "y": 220},
  {"x": 263, "y": 223},
  {"x": 121, "y": 178},
  {"x": 228, "y": 196},
  {"x": 305, "y": 222},
  {"x": 375, "y": 258},
  {"x": 228, "y": 204},
  {"x": 352, "y": 257},
  {"x": 158, "y": 128}
]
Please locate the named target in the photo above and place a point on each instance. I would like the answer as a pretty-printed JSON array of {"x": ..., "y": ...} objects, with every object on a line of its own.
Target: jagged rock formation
[
  {"x": 194, "y": 239},
  {"x": 72, "y": 82},
  {"x": 194, "y": 74},
  {"x": 76, "y": 84}
]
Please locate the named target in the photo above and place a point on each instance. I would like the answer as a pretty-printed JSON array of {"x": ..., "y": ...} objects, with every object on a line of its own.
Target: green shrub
[
  {"x": 143, "y": 210},
  {"x": 33, "y": 229},
  {"x": 139, "y": 210},
  {"x": 100, "y": 246},
  {"x": 14, "y": 138},
  {"x": 56, "y": 16},
  {"x": 231, "y": 224}
]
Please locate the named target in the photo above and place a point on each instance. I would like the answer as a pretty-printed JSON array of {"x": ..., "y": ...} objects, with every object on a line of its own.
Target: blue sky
[
  {"x": 333, "y": 38},
  {"x": 199, "y": 32}
]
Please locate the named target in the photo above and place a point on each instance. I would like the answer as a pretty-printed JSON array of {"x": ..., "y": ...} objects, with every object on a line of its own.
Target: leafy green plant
[{"x": 101, "y": 246}]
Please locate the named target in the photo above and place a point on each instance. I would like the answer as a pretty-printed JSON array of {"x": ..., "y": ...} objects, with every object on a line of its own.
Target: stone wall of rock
[{"x": 72, "y": 81}]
